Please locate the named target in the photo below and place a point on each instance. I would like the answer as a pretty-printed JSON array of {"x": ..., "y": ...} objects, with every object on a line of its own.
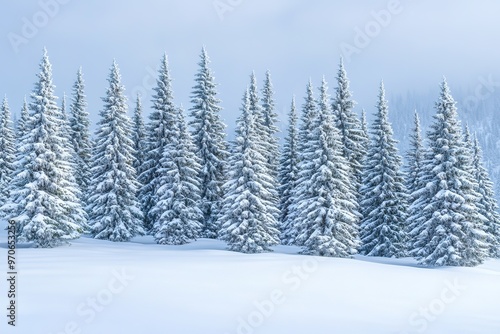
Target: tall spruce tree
[
  {"x": 114, "y": 211},
  {"x": 178, "y": 193},
  {"x": 288, "y": 172},
  {"x": 22, "y": 123},
  {"x": 414, "y": 157},
  {"x": 487, "y": 204},
  {"x": 42, "y": 197},
  {"x": 468, "y": 138},
  {"x": 264, "y": 130},
  {"x": 364, "y": 130},
  {"x": 270, "y": 118},
  {"x": 80, "y": 134},
  {"x": 347, "y": 122},
  {"x": 7, "y": 151},
  {"x": 73, "y": 193},
  {"x": 160, "y": 130},
  {"x": 211, "y": 147},
  {"x": 328, "y": 207},
  {"x": 383, "y": 193},
  {"x": 22, "y": 129},
  {"x": 448, "y": 224},
  {"x": 66, "y": 131},
  {"x": 64, "y": 114},
  {"x": 478, "y": 241},
  {"x": 138, "y": 136},
  {"x": 305, "y": 153},
  {"x": 415, "y": 180},
  {"x": 261, "y": 131},
  {"x": 247, "y": 220}
]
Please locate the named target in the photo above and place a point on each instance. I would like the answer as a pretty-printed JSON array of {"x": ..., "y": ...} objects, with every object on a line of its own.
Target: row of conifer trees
[{"x": 335, "y": 188}]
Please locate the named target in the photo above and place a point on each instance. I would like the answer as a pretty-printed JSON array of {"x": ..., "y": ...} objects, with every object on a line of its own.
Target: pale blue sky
[{"x": 411, "y": 50}]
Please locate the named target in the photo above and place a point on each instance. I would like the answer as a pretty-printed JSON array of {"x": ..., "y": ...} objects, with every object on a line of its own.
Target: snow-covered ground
[{"x": 99, "y": 287}]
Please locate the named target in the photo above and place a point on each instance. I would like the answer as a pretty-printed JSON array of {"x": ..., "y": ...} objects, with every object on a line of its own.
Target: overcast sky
[{"x": 410, "y": 44}]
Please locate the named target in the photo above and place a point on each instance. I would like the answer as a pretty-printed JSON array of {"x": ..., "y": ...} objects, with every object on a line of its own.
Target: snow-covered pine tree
[
  {"x": 211, "y": 147},
  {"x": 114, "y": 211},
  {"x": 7, "y": 151},
  {"x": 64, "y": 114},
  {"x": 347, "y": 122},
  {"x": 414, "y": 158},
  {"x": 468, "y": 138},
  {"x": 22, "y": 129},
  {"x": 42, "y": 200},
  {"x": 22, "y": 126},
  {"x": 73, "y": 195},
  {"x": 247, "y": 218},
  {"x": 80, "y": 134},
  {"x": 383, "y": 193},
  {"x": 270, "y": 119},
  {"x": 265, "y": 129},
  {"x": 66, "y": 130},
  {"x": 416, "y": 179},
  {"x": 328, "y": 207},
  {"x": 258, "y": 115},
  {"x": 159, "y": 130},
  {"x": 449, "y": 224},
  {"x": 364, "y": 129},
  {"x": 487, "y": 204},
  {"x": 288, "y": 172},
  {"x": 178, "y": 207},
  {"x": 138, "y": 136},
  {"x": 305, "y": 153}
]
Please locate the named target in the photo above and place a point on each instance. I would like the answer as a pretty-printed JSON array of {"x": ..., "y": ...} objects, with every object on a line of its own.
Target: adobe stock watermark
[
  {"x": 483, "y": 91},
  {"x": 420, "y": 319},
  {"x": 224, "y": 6},
  {"x": 32, "y": 25},
  {"x": 88, "y": 310},
  {"x": 363, "y": 36},
  {"x": 264, "y": 309}
]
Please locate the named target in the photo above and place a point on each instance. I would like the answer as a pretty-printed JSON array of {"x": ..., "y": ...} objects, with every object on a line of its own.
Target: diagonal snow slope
[{"x": 95, "y": 286}]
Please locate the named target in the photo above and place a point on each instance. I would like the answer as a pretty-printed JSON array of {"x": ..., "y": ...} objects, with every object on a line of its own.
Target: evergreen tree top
[
  {"x": 253, "y": 95},
  {"x": 138, "y": 105},
  {"x": 446, "y": 129},
  {"x": 5, "y": 110},
  {"x": 417, "y": 132},
  {"x": 343, "y": 96},
  {"x": 245, "y": 121},
  {"x": 163, "y": 97},
  {"x": 268, "y": 100},
  {"x": 115, "y": 99},
  {"x": 467, "y": 136},
  {"x": 364, "y": 122},
  {"x": 204, "y": 94},
  {"x": 323, "y": 105},
  {"x": 446, "y": 104},
  {"x": 79, "y": 102},
  {"x": 6, "y": 130},
  {"x": 63, "y": 106},
  {"x": 292, "y": 119},
  {"x": 22, "y": 124},
  {"x": 309, "y": 110},
  {"x": 383, "y": 127},
  {"x": 382, "y": 133},
  {"x": 205, "y": 72},
  {"x": 382, "y": 106},
  {"x": 44, "y": 87}
]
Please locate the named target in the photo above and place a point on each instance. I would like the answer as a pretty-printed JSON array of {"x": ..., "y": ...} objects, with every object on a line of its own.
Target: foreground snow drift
[{"x": 95, "y": 286}]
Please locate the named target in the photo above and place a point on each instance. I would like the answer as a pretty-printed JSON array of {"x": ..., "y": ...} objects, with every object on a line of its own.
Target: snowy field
[{"x": 96, "y": 287}]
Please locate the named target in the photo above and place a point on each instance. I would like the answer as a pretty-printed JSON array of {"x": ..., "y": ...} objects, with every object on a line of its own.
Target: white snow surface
[{"x": 203, "y": 288}]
